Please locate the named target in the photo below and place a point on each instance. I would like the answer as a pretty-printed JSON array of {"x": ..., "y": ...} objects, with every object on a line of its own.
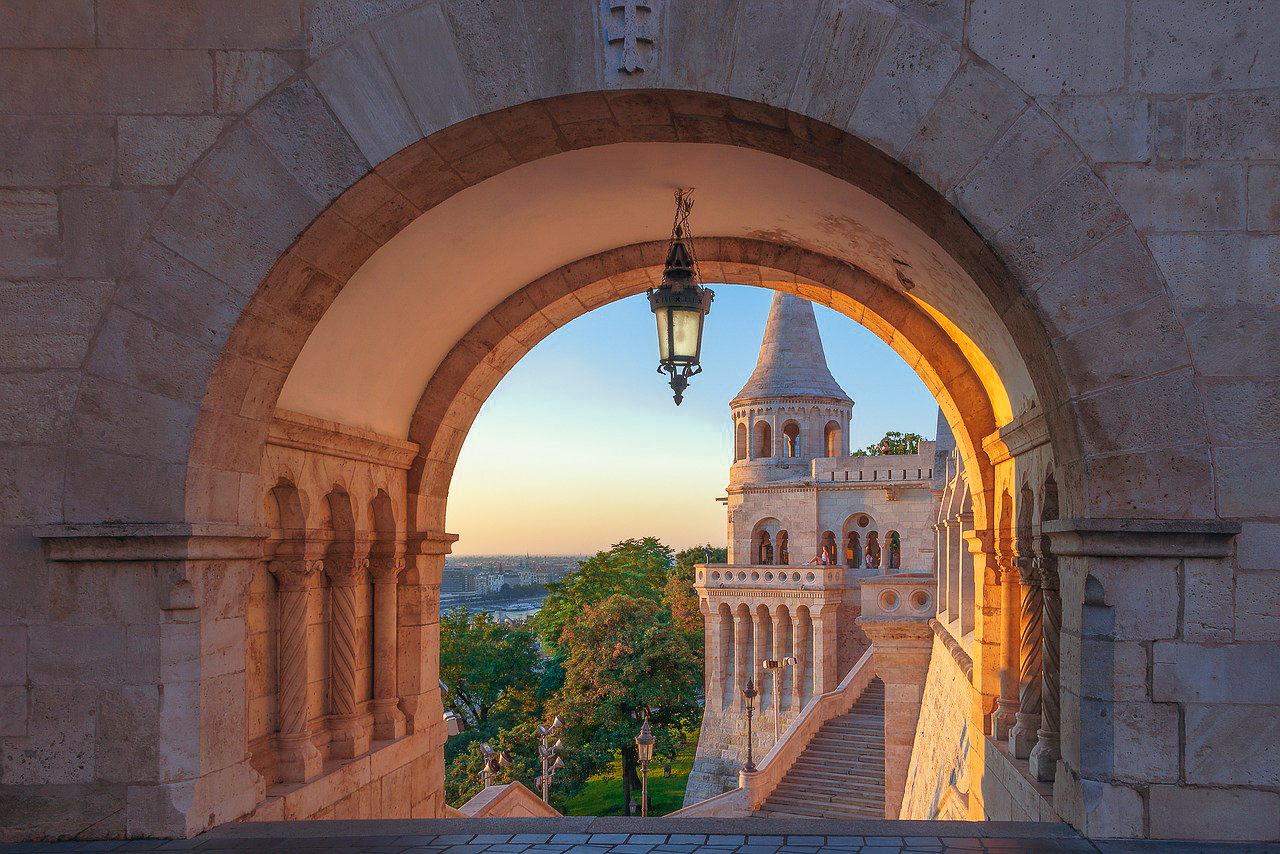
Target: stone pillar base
[
  {"x": 1044, "y": 757},
  {"x": 299, "y": 761},
  {"x": 1004, "y": 720},
  {"x": 388, "y": 721},
  {"x": 349, "y": 737},
  {"x": 1022, "y": 738}
]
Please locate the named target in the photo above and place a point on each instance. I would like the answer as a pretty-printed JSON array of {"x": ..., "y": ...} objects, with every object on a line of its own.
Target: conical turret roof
[{"x": 792, "y": 362}]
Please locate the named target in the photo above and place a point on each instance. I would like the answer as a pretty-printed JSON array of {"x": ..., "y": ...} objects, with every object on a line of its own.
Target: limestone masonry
[{"x": 261, "y": 264}]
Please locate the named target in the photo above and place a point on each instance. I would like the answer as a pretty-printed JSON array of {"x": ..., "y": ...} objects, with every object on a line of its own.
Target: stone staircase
[{"x": 840, "y": 774}]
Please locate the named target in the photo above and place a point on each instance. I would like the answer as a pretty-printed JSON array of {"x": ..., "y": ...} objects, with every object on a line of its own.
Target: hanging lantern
[{"x": 680, "y": 304}]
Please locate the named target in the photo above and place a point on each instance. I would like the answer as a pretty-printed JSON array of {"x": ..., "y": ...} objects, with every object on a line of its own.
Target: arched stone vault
[
  {"x": 218, "y": 275},
  {"x": 482, "y": 357}
]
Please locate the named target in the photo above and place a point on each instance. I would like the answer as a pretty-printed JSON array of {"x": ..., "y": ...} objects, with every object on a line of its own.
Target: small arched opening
[
  {"x": 832, "y": 439},
  {"x": 782, "y": 547},
  {"x": 763, "y": 439},
  {"x": 791, "y": 439},
  {"x": 828, "y": 548},
  {"x": 873, "y": 550},
  {"x": 894, "y": 542},
  {"x": 853, "y": 550},
  {"x": 740, "y": 443}
]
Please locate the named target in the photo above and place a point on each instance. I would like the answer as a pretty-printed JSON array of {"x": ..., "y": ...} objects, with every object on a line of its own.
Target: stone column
[
  {"x": 940, "y": 568},
  {"x": 1044, "y": 756},
  {"x": 902, "y": 647},
  {"x": 1006, "y": 716},
  {"x": 742, "y": 648},
  {"x": 713, "y": 664},
  {"x": 1022, "y": 737},
  {"x": 349, "y": 737},
  {"x": 802, "y": 633},
  {"x": 298, "y": 760},
  {"x": 762, "y": 643},
  {"x": 388, "y": 720},
  {"x": 826, "y": 663}
]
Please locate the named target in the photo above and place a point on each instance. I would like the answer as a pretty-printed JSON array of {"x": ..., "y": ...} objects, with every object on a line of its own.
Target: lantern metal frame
[
  {"x": 681, "y": 291},
  {"x": 749, "y": 694},
  {"x": 551, "y": 763},
  {"x": 644, "y": 752},
  {"x": 491, "y": 763}
]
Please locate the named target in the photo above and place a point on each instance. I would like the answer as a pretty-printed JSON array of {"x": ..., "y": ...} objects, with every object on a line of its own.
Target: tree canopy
[{"x": 893, "y": 443}]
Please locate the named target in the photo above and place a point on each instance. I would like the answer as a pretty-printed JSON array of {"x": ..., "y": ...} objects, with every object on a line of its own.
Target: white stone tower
[{"x": 790, "y": 412}]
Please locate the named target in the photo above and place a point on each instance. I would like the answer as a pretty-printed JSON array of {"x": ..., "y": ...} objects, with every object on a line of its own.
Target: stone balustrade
[
  {"x": 908, "y": 596},
  {"x": 770, "y": 578}
]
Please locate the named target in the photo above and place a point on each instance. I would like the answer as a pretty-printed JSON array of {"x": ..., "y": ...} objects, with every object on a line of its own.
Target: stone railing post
[
  {"x": 298, "y": 759},
  {"x": 388, "y": 720},
  {"x": 802, "y": 646},
  {"x": 901, "y": 647},
  {"x": 761, "y": 638},
  {"x": 1044, "y": 756},
  {"x": 826, "y": 670},
  {"x": 1022, "y": 737},
  {"x": 349, "y": 737}
]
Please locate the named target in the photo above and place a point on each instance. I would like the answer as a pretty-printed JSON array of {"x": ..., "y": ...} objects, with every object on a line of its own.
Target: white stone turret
[{"x": 791, "y": 410}]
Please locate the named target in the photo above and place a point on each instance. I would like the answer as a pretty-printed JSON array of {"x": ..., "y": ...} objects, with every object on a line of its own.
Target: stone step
[
  {"x": 800, "y": 797},
  {"x": 835, "y": 778},
  {"x": 826, "y": 808}
]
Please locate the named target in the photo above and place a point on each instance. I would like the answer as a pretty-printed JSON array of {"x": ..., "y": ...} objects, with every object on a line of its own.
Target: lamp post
[
  {"x": 777, "y": 664},
  {"x": 680, "y": 304},
  {"x": 750, "y": 693},
  {"x": 644, "y": 750},
  {"x": 492, "y": 762},
  {"x": 547, "y": 751}
]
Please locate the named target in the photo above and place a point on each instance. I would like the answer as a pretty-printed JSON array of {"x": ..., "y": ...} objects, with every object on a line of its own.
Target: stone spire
[{"x": 792, "y": 362}]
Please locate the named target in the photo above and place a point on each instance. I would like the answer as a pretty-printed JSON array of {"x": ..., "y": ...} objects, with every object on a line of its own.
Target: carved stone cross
[{"x": 630, "y": 32}]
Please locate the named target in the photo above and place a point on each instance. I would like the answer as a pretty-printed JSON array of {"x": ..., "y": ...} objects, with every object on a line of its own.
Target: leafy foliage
[
  {"x": 626, "y": 657},
  {"x": 636, "y": 567},
  {"x": 893, "y": 443},
  {"x": 490, "y": 667},
  {"x": 620, "y": 634}
]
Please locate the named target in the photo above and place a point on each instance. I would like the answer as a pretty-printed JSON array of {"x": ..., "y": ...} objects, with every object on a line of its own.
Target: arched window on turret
[
  {"x": 853, "y": 551},
  {"x": 895, "y": 549},
  {"x": 784, "y": 554},
  {"x": 791, "y": 439},
  {"x": 740, "y": 445},
  {"x": 764, "y": 439},
  {"x": 831, "y": 438},
  {"x": 873, "y": 550},
  {"x": 828, "y": 548},
  {"x": 764, "y": 549}
]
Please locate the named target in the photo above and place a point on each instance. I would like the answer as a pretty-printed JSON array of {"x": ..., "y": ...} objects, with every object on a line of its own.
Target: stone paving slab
[{"x": 616, "y": 835}]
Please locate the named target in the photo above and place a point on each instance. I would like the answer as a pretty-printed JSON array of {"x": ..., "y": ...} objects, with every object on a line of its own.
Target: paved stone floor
[{"x": 642, "y": 836}]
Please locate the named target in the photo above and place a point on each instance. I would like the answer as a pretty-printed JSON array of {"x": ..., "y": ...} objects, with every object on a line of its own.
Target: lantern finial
[{"x": 680, "y": 303}]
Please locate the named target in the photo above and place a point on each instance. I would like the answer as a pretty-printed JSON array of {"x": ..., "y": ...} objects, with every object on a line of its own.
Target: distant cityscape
[{"x": 511, "y": 587}]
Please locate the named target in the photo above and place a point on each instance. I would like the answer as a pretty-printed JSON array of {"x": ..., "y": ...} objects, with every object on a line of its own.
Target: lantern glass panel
[
  {"x": 664, "y": 333},
  {"x": 685, "y": 327}
]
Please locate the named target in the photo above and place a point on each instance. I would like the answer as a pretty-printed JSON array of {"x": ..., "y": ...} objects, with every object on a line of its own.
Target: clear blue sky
[{"x": 581, "y": 446}]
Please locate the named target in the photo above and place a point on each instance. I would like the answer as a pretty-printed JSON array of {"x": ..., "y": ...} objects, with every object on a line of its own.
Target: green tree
[
  {"x": 637, "y": 567},
  {"x": 893, "y": 443},
  {"x": 678, "y": 593},
  {"x": 490, "y": 668},
  {"x": 462, "y": 776},
  {"x": 625, "y": 657}
]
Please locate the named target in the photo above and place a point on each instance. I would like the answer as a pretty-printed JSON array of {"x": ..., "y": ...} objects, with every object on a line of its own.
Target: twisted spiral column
[
  {"x": 298, "y": 759},
  {"x": 1044, "y": 756},
  {"x": 1023, "y": 735},
  {"x": 349, "y": 735},
  {"x": 1010, "y": 650}
]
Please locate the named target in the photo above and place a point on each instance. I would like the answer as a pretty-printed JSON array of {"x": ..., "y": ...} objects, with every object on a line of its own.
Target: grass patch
[{"x": 602, "y": 794}]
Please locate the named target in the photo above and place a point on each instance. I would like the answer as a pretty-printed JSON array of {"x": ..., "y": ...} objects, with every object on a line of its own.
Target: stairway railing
[{"x": 758, "y": 785}]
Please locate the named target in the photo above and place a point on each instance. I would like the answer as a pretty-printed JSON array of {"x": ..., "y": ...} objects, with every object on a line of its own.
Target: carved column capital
[
  {"x": 346, "y": 571},
  {"x": 385, "y": 568},
  {"x": 1046, "y": 570},
  {"x": 294, "y": 573}
]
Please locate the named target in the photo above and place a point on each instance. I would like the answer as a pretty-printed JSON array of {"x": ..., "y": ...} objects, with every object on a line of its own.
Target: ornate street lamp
[
  {"x": 547, "y": 751},
  {"x": 644, "y": 749},
  {"x": 750, "y": 693},
  {"x": 680, "y": 304},
  {"x": 777, "y": 664},
  {"x": 492, "y": 762}
]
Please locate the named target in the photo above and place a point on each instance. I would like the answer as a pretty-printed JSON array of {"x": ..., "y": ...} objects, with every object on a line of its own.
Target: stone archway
[{"x": 259, "y": 239}]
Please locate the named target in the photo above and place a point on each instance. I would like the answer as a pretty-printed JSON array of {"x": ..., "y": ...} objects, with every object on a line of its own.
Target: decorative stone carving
[
  {"x": 349, "y": 736},
  {"x": 628, "y": 29},
  {"x": 298, "y": 759},
  {"x": 1044, "y": 756},
  {"x": 1023, "y": 735}
]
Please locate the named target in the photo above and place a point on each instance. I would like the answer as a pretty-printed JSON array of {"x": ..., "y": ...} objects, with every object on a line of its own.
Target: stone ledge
[
  {"x": 318, "y": 436},
  {"x": 1141, "y": 537},
  {"x": 134, "y": 542}
]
